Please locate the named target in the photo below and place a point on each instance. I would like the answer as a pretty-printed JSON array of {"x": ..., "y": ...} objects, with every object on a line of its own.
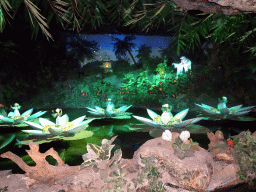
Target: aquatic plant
[
  {"x": 222, "y": 112},
  {"x": 167, "y": 120},
  {"x": 61, "y": 126},
  {"x": 16, "y": 119},
  {"x": 110, "y": 111}
]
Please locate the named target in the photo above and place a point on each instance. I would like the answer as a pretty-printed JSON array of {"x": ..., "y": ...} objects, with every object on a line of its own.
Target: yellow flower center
[
  {"x": 113, "y": 110},
  {"x": 46, "y": 128},
  {"x": 65, "y": 127},
  {"x": 172, "y": 121},
  {"x": 232, "y": 111},
  {"x": 215, "y": 110},
  {"x": 68, "y": 126},
  {"x": 18, "y": 117}
]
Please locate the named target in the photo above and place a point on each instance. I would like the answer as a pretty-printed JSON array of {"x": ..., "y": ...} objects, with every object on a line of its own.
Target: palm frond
[
  {"x": 33, "y": 11},
  {"x": 57, "y": 7},
  {"x": 6, "y": 8},
  {"x": 6, "y": 5}
]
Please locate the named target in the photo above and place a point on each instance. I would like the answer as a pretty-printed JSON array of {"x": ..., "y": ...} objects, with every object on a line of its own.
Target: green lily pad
[
  {"x": 37, "y": 141},
  {"x": 125, "y": 128},
  {"x": 47, "y": 139},
  {"x": 195, "y": 129},
  {"x": 104, "y": 131},
  {"x": 80, "y": 135}
]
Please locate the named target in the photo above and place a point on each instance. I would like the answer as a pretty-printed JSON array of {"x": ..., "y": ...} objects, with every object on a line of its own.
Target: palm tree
[
  {"x": 79, "y": 48},
  {"x": 144, "y": 52},
  {"x": 121, "y": 47}
]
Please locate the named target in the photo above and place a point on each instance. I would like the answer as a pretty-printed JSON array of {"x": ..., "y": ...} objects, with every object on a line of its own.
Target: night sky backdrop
[{"x": 106, "y": 48}]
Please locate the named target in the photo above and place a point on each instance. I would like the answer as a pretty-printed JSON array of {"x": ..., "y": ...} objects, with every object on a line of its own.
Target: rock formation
[{"x": 154, "y": 166}]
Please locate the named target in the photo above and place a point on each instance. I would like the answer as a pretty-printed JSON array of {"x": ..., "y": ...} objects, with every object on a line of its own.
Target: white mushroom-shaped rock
[
  {"x": 167, "y": 135},
  {"x": 184, "y": 135}
]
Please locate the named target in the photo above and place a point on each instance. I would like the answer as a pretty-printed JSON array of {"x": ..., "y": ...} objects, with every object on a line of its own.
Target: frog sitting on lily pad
[{"x": 111, "y": 111}]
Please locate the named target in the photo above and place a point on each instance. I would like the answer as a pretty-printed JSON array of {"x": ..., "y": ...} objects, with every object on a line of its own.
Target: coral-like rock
[
  {"x": 215, "y": 138},
  {"x": 219, "y": 148},
  {"x": 153, "y": 165},
  {"x": 191, "y": 173},
  {"x": 43, "y": 172}
]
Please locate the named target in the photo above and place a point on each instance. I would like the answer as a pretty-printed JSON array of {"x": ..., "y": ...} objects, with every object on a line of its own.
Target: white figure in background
[{"x": 185, "y": 63}]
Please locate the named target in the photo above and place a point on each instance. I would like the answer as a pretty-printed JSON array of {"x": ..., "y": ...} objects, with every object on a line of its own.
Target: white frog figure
[{"x": 185, "y": 63}]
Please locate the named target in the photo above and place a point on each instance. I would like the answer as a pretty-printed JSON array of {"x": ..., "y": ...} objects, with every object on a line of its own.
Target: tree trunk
[{"x": 132, "y": 58}]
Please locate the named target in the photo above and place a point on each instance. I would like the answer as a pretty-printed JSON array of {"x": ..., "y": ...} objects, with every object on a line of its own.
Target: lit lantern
[{"x": 107, "y": 65}]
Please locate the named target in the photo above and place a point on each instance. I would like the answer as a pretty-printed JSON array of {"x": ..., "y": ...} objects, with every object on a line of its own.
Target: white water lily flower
[
  {"x": 100, "y": 111},
  {"x": 165, "y": 117},
  {"x": 16, "y": 118},
  {"x": 167, "y": 121},
  {"x": 184, "y": 135},
  {"x": 167, "y": 135},
  {"x": 62, "y": 126},
  {"x": 223, "y": 112}
]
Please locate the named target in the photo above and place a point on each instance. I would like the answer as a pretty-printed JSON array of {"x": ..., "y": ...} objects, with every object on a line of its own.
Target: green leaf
[
  {"x": 18, "y": 143},
  {"x": 184, "y": 146},
  {"x": 80, "y": 135},
  {"x": 7, "y": 141},
  {"x": 62, "y": 154}
]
